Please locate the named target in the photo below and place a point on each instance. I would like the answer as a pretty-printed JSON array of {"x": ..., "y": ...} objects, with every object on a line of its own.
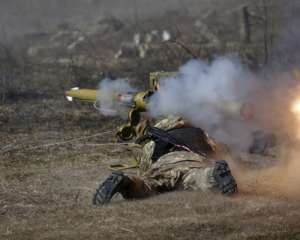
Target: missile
[{"x": 85, "y": 95}]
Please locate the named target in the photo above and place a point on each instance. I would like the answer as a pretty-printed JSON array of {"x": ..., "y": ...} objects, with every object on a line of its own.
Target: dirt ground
[
  {"x": 47, "y": 182},
  {"x": 54, "y": 154}
]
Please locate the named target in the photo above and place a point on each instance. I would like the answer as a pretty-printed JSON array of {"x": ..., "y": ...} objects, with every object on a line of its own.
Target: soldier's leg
[
  {"x": 135, "y": 187},
  {"x": 216, "y": 177},
  {"x": 130, "y": 187}
]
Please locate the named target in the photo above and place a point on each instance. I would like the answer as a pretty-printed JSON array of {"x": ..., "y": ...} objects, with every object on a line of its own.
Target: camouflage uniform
[
  {"x": 166, "y": 124},
  {"x": 180, "y": 169},
  {"x": 176, "y": 169}
]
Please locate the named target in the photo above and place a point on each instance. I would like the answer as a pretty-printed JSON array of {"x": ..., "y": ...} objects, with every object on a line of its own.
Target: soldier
[{"x": 177, "y": 156}]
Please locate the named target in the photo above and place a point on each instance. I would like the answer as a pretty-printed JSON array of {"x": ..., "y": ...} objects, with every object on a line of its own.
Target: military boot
[
  {"x": 224, "y": 179},
  {"x": 109, "y": 188},
  {"x": 129, "y": 187}
]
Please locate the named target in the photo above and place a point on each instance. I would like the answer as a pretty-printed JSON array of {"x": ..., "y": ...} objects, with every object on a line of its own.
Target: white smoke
[
  {"x": 209, "y": 95},
  {"x": 107, "y": 96}
]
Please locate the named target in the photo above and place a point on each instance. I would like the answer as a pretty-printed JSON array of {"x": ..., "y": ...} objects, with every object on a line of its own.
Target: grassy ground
[
  {"x": 46, "y": 190},
  {"x": 50, "y": 165}
]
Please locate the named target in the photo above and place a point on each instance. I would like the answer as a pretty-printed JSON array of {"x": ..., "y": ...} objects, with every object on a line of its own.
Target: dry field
[
  {"x": 54, "y": 154},
  {"x": 46, "y": 189}
]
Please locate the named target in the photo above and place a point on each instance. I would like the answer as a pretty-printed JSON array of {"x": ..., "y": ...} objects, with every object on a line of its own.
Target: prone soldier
[{"x": 176, "y": 156}]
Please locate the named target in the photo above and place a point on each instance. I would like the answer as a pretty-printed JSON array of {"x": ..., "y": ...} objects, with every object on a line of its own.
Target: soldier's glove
[
  {"x": 108, "y": 188},
  {"x": 224, "y": 179}
]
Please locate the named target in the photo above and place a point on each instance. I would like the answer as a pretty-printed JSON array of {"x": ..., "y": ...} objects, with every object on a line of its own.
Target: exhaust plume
[
  {"x": 210, "y": 96},
  {"x": 107, "y": 96}
]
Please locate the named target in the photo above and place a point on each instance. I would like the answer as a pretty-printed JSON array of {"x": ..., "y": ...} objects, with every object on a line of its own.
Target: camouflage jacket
[{"x": 169, "y": 123}]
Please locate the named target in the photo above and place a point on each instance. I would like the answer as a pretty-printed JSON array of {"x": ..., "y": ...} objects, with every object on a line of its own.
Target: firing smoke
[
  {"x": 107, "y": 96},
  {"x": 209, "y": 96},
  {"x": 280, "y": 179}
]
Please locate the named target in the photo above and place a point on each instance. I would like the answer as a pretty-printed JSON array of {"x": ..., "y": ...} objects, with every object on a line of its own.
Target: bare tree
[
  {"x": 245, "y": 25},
  {"x": 266, "y": 23},
  {"x": 7, "y": 71}
]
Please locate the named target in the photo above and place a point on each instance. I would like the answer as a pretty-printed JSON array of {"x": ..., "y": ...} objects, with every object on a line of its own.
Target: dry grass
[{"x": 46, "y": 192}]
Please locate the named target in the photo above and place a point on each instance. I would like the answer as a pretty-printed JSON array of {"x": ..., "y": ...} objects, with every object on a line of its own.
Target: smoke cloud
[
  {"x": 211, "y": 96},
  {"x": 107, "y": 96},
  {"x": 281, "y": 179}
]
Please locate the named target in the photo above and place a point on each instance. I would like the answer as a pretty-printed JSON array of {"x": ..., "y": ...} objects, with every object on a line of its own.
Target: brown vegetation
[
  {"x": 47, "y": 184},
  {"x": 52, "y": 155}
]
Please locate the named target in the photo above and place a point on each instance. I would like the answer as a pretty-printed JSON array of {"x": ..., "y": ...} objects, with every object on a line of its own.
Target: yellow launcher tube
[{"x": 87, "y": 95}]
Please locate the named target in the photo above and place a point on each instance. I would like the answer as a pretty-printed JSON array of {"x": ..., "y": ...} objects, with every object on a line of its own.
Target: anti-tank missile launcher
[{"x": 136, "y": 102}]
